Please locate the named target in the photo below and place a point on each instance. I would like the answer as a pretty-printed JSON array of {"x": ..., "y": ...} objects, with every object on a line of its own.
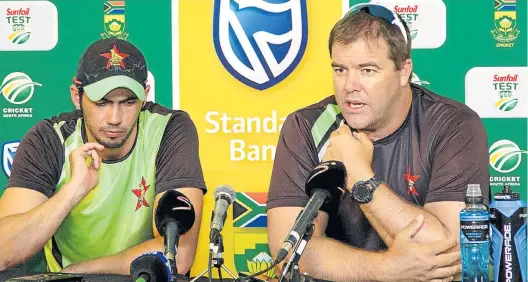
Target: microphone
[
  {"x": 174, "y": 216},
  {"x": 224, "y": 196},
  {"x": 325, "y": 185},
  {"x": 150, "y": 267}
]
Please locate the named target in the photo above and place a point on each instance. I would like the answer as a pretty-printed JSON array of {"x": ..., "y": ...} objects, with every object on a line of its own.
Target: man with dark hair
[
  {"x": 84, "y": 185},
  {"x": 409, "y": 155}
]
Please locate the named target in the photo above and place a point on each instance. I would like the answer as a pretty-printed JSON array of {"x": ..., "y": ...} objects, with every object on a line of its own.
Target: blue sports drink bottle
[{"x": 508, "y": 219}]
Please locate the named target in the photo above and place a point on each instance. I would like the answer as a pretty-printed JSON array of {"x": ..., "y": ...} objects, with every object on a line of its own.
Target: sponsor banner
[
  {"x": 239, "y": 78},
  {"x": 252, "y": 253},
  {"x": 28, "y": 26},
  {"x": 18, "y": 88},
  {"x": 508, "y": 154},
  {"x": 8, "y": 154},
  {"x": 114, "y": 20},
  {"x": 505, "y": 30},
  {"x": 498, "y": 92},
  {"x": 249, "y": 210},
  {"x": 426, "y": 19}
]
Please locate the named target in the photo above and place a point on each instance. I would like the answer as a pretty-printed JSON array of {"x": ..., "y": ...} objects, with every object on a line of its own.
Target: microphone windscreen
[
  {"x": 153, "y": 264},
  {"x": 176, "y": 207},
  {"x": 329, "y": 176},
  {"x": 226, "y": 191}
]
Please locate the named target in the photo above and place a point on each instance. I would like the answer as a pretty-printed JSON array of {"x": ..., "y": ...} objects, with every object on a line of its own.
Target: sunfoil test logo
[
  {"x": 20, "y": 21},
  {"x": 505, "y": 156},
  {"x": 409, "y": 14},
  {"x": 506, "y": 87},
  {"x": 260, "y": 42}
]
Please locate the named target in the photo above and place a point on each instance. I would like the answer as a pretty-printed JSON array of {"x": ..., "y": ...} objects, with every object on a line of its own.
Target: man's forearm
[
  {"x": 389, "y": 214},
  {"x": 23, "y": 235},
  {"x": 120, "y": 262},
  {"x": 340, "y": 262}
]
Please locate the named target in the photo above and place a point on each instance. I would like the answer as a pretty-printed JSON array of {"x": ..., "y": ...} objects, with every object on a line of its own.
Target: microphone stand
[
  {"x": 293, "y": 263},
  {"x": 217, "y": 248},
  {"x": 170, "y": 247}
]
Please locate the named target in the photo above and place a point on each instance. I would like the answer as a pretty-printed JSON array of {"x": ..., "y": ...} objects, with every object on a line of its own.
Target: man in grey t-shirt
[{"x": 409, "y": 155}]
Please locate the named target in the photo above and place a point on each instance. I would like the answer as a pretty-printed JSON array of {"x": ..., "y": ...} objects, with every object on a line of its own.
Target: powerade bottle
[
  {"x": 474, "y": 237},
  {"x": 508, "y": 219}
]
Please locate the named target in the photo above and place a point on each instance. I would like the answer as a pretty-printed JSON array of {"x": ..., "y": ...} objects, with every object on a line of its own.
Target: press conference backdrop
[{"x": 239, "y": 67}]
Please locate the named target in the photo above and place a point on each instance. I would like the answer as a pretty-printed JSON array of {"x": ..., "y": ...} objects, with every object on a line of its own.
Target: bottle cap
[{"x": 473, "y": 194}]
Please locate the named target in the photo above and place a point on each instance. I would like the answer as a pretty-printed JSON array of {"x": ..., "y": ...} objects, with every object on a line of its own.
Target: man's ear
[
  {"x": 75, "y": 96},
  {"x": 406, "y": 72},
  {"x": 147, "y": 90}
]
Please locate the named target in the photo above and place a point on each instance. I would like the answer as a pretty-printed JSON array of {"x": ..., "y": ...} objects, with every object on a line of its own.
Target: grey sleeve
[
  {"x": 294, "y": 160},
  {"x": 178, "y": 161},
  {"x": 460, "y": 157},
  {"x": 38, "y": 160}
]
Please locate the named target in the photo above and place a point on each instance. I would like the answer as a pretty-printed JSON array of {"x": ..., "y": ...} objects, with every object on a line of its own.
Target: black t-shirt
[{"x": 441, "y": 147}]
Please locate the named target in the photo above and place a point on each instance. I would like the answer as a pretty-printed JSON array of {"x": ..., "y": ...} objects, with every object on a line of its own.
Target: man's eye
[
  {"x": 339, "y": 70},
  {"x": 368, "y": 71}
]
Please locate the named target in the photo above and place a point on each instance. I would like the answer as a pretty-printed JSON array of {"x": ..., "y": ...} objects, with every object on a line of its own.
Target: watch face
[{"x": 362, "y": 193}]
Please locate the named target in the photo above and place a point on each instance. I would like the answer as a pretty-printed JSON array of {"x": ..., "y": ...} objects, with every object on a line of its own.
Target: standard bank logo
[
  {"x": 260, "y": 42},
  {"x": 505, "y": 156},
  {"x": 8, "y": 154},
  {"x": 18, "y": 88}
]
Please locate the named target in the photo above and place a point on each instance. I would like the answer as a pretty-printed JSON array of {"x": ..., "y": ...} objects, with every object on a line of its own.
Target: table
[{"x": 17, "y": 272}]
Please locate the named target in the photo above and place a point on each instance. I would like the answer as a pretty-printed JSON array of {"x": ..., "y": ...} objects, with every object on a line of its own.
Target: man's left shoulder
[{"x": 438, "y": 107}]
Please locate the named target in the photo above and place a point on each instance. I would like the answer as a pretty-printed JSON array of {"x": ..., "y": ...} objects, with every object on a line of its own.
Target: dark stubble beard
[{"x": 113, "y": 144}]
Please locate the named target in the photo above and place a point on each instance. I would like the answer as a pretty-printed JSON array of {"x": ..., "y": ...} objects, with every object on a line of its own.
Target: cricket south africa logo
[
  {"x": 505, "y": 156},
  {"x": 260, "y": 42},
  {"x": 18, "y": 88}
]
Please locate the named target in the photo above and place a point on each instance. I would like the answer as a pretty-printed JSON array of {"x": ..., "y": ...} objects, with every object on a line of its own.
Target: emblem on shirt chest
[
  {"x": 140, "y": 193},
  {"x": 411, "y": 180}
]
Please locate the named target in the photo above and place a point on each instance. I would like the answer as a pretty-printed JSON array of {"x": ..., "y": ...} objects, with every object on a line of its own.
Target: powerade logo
[
  {"x": 508, "y": 252},
  {"x": 506, "y": 87},
  {"x": 505, "y": 156},
  {"x": 18, "y": 88},
  {"x": 19, "y": 19},
  {"x": 475, "y": 227}
]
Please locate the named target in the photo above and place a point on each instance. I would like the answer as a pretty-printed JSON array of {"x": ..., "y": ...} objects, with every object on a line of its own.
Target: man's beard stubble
[{"x": 113, "y": 144}]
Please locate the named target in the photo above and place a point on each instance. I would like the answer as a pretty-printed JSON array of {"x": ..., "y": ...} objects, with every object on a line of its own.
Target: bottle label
[{"x": 475, "y": 231}]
